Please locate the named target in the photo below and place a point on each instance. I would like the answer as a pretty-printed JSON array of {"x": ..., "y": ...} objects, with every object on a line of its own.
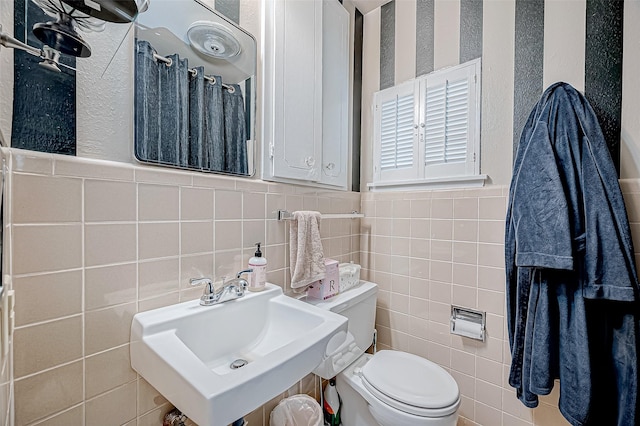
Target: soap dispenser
[{"x": 258, "y": 278}]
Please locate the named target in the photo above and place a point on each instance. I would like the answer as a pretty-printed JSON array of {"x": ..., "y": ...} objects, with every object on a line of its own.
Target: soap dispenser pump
[{"x": 258, "y": 278}]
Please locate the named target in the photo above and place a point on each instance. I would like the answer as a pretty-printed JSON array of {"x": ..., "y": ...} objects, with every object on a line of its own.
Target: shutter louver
[
  {"x": 404, "y": 135},
  {"x": 435, "y": 124},
  {"x": 396, "y": 133},
  {"x": 446, "y": 122},
  {"x": 457, "y": 121},
  {"x": 388, "y": 135}
]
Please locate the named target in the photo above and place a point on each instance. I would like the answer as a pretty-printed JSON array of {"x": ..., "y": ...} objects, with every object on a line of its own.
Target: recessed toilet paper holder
[{"x": 468, "y": 322}]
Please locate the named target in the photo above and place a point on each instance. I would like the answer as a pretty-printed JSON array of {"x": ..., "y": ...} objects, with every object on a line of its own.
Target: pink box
[{"x": 330, "y": 285}]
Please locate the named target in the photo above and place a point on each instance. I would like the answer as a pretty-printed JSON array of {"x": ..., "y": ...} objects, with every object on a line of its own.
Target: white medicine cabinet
[{"x": 306, "y": 92}]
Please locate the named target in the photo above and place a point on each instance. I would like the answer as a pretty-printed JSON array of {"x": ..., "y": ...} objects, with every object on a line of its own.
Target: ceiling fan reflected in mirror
[
  {"x": 118, "y": 11},
  {"x": 61, "y": 34}
]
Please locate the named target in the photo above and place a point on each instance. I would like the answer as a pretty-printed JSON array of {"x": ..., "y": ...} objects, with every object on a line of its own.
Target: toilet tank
[{"x": 358, "y": 304}]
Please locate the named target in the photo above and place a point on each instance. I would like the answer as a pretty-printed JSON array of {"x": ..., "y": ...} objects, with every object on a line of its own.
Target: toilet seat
[{"x": 411, "y": 384}]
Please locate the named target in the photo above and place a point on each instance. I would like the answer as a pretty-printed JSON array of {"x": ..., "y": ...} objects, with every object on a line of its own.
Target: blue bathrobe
[{"x": 572, "y": 289}]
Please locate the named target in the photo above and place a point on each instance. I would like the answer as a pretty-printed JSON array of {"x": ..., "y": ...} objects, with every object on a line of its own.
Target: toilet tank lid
[
  {"x": 346, "y": 299},
  {"x": 411, "y": 379}
]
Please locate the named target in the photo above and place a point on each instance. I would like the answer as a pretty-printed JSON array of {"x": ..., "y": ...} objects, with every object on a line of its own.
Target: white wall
[{"x": 104, "y": 120}]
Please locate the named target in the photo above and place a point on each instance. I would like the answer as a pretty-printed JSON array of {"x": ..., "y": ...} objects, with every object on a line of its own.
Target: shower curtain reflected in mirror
[
  {"x": 174, "y": 112},
  {"x": 161, "y": 107},
  {"x": 206, "y": 136},
  {"x": 196, "y": 126},
  {"x": 147, "y": 116},
  {"x": 185, "y": 118},
  {"x": 234, "y": 134}
]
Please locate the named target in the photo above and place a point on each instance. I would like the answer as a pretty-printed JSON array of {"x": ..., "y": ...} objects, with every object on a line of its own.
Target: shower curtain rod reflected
[{"x": 193, "y": 72}]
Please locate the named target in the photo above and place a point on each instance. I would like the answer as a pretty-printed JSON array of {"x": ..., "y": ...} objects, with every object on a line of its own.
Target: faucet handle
[
  {"x": 209, "y": 293},
  {"x": 199, "y": 281},
  {"x": 246, "y": 271},
  {"x": 242, "y": 282}
]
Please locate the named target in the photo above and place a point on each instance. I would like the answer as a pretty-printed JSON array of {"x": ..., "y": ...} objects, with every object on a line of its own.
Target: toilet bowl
[
  {"x": 389, "y": 388},
  {"x": 376, "y": 389}
]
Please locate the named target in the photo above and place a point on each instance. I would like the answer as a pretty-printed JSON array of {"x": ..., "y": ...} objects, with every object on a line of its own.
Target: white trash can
[{"x": 297, "y": 410}]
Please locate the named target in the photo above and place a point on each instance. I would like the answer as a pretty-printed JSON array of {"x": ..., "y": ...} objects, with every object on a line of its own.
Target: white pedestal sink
[{"x": 185, "y": 351}]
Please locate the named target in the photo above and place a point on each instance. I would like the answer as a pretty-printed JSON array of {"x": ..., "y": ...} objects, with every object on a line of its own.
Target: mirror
[
  {"x": 195, "y": 72},
  {"x": 87, "y": 109}
]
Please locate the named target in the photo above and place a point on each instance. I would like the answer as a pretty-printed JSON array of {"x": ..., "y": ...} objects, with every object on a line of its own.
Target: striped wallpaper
[
  {"x": 526, "y": 45},
  {"x": 387, "y": 45},
  {"x": 529, "y": 55},
  {"x": 424, "y": 33},
  {"x": 470, "y": 30},
  {"x": 603, "y": 67}
]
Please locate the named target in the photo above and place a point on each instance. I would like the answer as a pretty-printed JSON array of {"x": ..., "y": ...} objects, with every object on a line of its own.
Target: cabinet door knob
[
  {"x": 329, "y": 166},
  {"x": 309, "y": 161}
]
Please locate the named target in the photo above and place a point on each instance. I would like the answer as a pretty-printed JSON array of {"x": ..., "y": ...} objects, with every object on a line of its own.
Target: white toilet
[{"x": 390, "y": 388}]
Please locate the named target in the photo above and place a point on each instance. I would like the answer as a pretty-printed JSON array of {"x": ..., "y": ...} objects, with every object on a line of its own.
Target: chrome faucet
[{"x": 232, "y": 289}]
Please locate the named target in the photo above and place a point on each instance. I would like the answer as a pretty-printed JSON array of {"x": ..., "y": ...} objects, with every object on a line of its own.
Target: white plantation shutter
[
  {"x": 446, "y": 122},
  {"x": 457, "y": 122},
  {"x": 396, "y": 139},
  {"x": 429, "y": 129},
  {"x": 434, "y": 129},
  {"x": 450, "y": 113},
  {"x": 388, "y": 134},
  {"x": 396, "y": 135}
]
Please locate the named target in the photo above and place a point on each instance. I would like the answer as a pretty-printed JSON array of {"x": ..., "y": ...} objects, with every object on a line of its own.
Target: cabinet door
[
  {"x": 297, "y": 145},
  {"x": 335, "y": 93}
]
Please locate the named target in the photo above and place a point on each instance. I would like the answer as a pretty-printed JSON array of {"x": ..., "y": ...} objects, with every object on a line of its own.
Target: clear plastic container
[
  {"x": 349, "y": 275},
  {"x": 297, "y": 410}
]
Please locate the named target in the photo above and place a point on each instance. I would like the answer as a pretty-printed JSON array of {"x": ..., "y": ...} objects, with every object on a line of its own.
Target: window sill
[{"x": 435, "y": 183}]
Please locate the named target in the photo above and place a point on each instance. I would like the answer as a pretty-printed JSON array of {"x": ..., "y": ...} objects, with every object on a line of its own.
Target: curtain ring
[
  {"x": 167, "y": 61},
  {"x": 193, "y": 71},
  {"x": 231, "y": 89}
]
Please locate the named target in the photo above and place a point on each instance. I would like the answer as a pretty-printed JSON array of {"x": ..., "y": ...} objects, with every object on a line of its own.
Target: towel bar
[{"x": 286, "y": 215}]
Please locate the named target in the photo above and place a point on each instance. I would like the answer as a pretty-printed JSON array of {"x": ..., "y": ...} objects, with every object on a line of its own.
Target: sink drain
[{"x": 238, "y": 363}]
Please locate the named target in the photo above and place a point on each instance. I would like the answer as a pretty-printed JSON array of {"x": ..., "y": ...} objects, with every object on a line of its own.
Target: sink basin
[{"x": 185, "y": 351}]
